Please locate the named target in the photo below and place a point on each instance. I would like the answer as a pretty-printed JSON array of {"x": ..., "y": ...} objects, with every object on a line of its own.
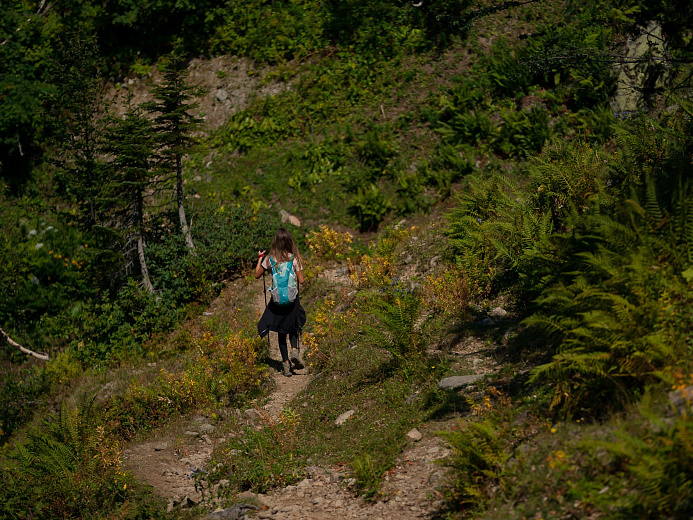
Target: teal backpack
[{"x": 283, "y": 289}]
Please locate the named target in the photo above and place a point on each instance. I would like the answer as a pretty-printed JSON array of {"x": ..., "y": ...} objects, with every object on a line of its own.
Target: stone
[
  {"x": 414, "y": 435},
  {"x": 192, "y": 433},
  {"x": 305, "y": 483},
  {"x": 187, "y": 502},
  {"x": 682, "y": 400},
  {"x": 453, "y": 382},
  {"x": 288, "y": 218},
  {"x": 344, "y": 417},
  {"x": 206, "y": 428},
  {"x": 172, "y": 504},
  {"x": 161, "y": 446},
  {"x": 435, "y": 260},
  {"x": 488, "y": 322},
  {"x": 498, "y": 312},
  {"x": 236, "y": 512},
  {"x": 221, "y": 95},
  {"x": 251, "y": 414},
  {"x": 336, "y": 477}
]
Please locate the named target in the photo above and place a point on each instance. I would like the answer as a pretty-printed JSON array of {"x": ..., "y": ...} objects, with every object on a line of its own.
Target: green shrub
[{"x": 369, "y": 206}]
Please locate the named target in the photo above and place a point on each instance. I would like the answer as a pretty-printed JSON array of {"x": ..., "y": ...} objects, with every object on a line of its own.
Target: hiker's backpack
[{"x": 283, "y": 289}]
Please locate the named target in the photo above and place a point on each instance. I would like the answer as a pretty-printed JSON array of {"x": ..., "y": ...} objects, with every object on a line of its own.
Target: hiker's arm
[
  {"x": 259, "y": 270},
  {"x": 299, "y": 275}
]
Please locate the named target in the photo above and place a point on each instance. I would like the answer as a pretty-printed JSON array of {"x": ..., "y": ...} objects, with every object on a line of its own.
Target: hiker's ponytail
[{"x": 284, "y": 244}]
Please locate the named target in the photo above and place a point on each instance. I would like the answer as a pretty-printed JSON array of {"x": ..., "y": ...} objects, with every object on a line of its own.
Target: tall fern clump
[
  {"x": 65, "y": 468},
  {"x": 504, "y": 234},
  {"x": 608, "y": 313},
  {"x": 398, "y": 328}
]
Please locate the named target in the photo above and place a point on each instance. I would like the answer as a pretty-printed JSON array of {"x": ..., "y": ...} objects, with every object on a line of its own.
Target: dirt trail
[
  {"x": 286, "y": 388},
  {"x": 169, "y": 461}
]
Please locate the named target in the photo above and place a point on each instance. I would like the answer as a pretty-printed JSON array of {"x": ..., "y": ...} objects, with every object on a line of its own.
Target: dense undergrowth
[{"x": 580, "y": 218}]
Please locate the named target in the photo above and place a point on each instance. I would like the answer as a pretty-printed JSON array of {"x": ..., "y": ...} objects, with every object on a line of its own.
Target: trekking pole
[{"x": 264, "y": 292}]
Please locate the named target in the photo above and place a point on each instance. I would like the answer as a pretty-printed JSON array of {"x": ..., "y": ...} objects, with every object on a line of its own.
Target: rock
[
  {"x": 344, "y": 417},
  {"x": 192, "y": 433},
  {"x": 414, "y": 435},
  {"x": 682, "y": 400},
  {"x": 450, "y": 383},
  {"x": 250, "y": 414},
  {"x": 314, "y": 471},
  {"x": 305, "y": 483},
  {"x": 245, "y": 496},
  {"x": 206, "y": 428},
  {"x": 237, "y": 512},
  {"x": 172, "y": 504},
  {"x": 498, "y": 312},
  {"x": 187, "y": 502},
  {"x": 336, "y": 477},
  {"x": 435, "y": 260},
  {"x": 488, "y": 322},
  {"x": 288, "y": 218},
  {"x": 161, "y": 446},
  {"x": 221, "y": 95}
]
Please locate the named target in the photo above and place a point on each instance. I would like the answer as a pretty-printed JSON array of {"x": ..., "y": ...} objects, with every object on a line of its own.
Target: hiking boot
[
  {"x": 295, "y": 360},
  {"x": 286, "y": 369}
]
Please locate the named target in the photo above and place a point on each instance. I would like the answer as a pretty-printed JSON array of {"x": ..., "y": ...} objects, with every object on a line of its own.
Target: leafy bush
[
  {"x": 329, "y": 244},
  {"x": 369, "y": 206},
  {"x": 221, "y": 370}
]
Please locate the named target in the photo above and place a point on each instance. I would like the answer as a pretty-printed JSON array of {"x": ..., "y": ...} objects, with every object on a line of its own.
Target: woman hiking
[{"x": 284, "y": 313}]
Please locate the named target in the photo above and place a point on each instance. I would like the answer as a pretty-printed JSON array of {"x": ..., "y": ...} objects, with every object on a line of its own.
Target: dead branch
[
  {"x": 42, "y": 9},
  {"x": 43, "y": 357}
]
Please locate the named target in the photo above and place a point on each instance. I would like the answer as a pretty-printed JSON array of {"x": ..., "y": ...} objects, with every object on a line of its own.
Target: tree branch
[
  {"x": 43, "y": 357},
  {"x": 42, "y": 9}
]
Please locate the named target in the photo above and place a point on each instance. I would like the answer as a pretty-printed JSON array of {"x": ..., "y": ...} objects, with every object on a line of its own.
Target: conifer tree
[
  {"x": 78, "y": 125},
  {"x": 174, "y": 126},
  {"x": 129, "y": 143}
]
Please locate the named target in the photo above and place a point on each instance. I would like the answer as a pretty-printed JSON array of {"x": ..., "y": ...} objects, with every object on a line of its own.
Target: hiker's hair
[{"x": 283, "y": 244}]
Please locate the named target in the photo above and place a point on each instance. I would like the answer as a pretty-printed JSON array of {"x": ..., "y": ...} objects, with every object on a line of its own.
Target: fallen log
[{"x": 43, "y": 357}]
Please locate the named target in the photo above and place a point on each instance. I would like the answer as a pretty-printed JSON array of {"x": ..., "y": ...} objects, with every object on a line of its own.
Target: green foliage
[
  {"x": 65, "y": 468},
  {"x": 654, "y": 457},
  {"x": 369, "y": 206},
  {"x": 607, "y": 310},
  {"x": 22, "y": 392},
  {"x": 479, "y": 456},
  {"x": 398, "y": 327}
]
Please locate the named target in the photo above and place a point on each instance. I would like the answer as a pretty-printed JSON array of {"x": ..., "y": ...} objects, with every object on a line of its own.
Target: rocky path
[
  {"x": 325, "y": 493},
  {"x": 169, "y": 461}
]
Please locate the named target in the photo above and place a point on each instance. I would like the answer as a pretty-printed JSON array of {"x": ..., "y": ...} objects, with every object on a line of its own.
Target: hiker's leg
[
  {"x": 295, "y": 358},
  {"x": 282, "y": 347}
]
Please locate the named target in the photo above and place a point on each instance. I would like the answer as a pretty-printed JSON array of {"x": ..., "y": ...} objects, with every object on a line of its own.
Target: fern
[{"x": 62, "y": 463}]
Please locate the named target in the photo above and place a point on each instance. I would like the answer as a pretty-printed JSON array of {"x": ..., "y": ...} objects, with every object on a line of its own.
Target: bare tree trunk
[
  {"x": 181, "y": 208},
  {"x": 137, "y": 206},
  {"x": 43, "y": 357},
  {"x": 143, "y": 265}
]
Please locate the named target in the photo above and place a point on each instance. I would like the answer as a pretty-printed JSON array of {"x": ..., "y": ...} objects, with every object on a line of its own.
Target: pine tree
[
  {"x": 174, "y": 126},
  {"x": 77, "y": 108},
  {"x": 129, "y": 142}
]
